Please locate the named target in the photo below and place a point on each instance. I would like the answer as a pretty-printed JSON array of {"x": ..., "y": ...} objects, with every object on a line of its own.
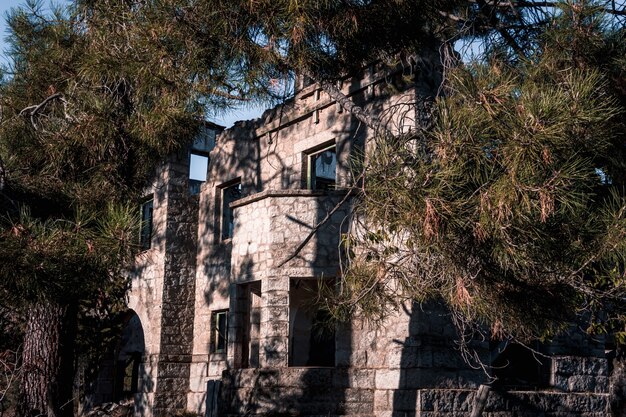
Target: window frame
[
  {"x": 309, "y": 176},
  {"x": 145, "y": 238},
  {"x": 225, "y": 233},
  {"x": 216, "y": 337},
  {"x": 195, "y": 186}
]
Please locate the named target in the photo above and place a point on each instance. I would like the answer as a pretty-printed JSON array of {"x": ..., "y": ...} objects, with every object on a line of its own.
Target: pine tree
[
  {"x": 520, "y": 172},
  {"x": 77, "y": 143},
  {"x": 513, "y": 213}
]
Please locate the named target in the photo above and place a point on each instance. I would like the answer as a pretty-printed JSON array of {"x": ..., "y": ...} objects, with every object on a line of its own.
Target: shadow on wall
[
  {"x": 316, "y": 378},
  {"x": 122, "y": 374},
  {"x": 432, "y": 374},
  {"x": 430, "y": 359}
]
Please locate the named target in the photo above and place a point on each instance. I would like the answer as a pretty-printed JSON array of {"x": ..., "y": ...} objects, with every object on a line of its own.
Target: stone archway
[{"x": 128, "y": 357}]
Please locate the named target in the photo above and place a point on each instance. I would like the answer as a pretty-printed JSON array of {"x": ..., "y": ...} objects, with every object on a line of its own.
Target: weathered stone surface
[
  {"x": 388, "y": 378},
  {"x": 407, "y": 367}
]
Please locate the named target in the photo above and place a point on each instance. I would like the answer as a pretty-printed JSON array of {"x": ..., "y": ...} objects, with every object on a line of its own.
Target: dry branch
[
  {"x": 314, "y": 230},
  {"x": 35, "y": 109}
]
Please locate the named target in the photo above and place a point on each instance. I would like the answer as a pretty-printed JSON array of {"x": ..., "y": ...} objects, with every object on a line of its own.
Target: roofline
[{"x": 212, "y": 125}]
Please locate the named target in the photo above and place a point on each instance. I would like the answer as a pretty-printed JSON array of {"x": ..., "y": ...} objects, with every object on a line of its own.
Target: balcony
[{"x": 271, "y": 225}]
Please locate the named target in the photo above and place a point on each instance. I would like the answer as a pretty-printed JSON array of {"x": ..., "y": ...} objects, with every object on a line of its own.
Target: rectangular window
[
  {"x": 321, "y": 169},
  {"x": 230, "y": 194},
  {"x": 198, "y": 166},
  {"x": 311, "y": 329},
  {"x": 145, "y": 234},
  {"x": 219, "y": 338},
  {"x": 248, "y": 334}
]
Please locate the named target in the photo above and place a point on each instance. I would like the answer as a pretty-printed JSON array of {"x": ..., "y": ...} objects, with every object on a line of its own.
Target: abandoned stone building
[{"x": 218, "y": 324}]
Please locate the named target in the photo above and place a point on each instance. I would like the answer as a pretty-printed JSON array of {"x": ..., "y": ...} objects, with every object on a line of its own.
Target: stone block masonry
[
  {"x": 229, "y": 256},
  {"x": 173, "y": 374}
]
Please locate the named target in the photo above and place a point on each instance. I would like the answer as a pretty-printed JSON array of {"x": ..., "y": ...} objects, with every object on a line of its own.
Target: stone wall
[
  {"x": 266, "y": 155},
  {"x": 178, "y": 293},
  {"x": 408, "y": 366},
  {"x": 162, "y": 295}
]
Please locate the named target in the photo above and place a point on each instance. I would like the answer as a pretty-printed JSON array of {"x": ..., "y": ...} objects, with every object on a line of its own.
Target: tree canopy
[
  {"x": 513, "y": 212},
  {"x": 77, "y": 146},
  {"x": 508, "y": 200}
]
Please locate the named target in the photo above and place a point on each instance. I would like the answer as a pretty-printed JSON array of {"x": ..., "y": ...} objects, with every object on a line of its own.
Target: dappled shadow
[
  {"x": 276, "y": 388},
  {"x": 430, "y": 359},
  {"x": 121, "y": 375},
  {"x": 250, "y": 270}
]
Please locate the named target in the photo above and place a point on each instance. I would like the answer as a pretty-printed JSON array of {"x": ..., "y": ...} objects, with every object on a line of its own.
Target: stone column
[
  {"x": 176, "y": 344},
  {"x": 275, "y": 322}
]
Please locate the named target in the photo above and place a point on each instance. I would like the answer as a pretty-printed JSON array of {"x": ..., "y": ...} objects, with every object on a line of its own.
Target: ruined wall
[
  {"x": 178, "y": 292},
  {"x": 266, "y": 156},
  {"x": 408, "y": 366},
  {"x": 162, "y": 295}
]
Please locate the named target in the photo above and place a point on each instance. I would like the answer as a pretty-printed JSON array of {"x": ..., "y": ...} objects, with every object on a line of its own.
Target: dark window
[
  {"x": 145, "y": 235},
  {"x": 230, "y": 194},
  {"x": 311, "y": 330},
  {"x": 128, "y": 376},
  {"x": 518, "y": 367},
  {"x": 322, "y": 169},
  {"x": 220, "y": 331},
  {"x": 248, "y": 335},
  {"x": 126, "y": 373}
]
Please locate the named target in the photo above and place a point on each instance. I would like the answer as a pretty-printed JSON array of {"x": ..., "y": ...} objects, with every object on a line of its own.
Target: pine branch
[
  {"x": 487, "y": 11},
  {"x": 524, "y": 4},
  {"x": 35, "y": 109}
]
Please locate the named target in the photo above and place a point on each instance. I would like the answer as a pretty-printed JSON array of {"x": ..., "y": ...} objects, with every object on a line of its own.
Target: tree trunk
[{"x": 41, "y": 360}]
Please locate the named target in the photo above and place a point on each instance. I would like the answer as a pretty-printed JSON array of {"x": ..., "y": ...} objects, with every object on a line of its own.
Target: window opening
[
  {"x": 219, "y": 331},
  {"x": 311, "y": 332},
  {"x": 322, "y": 169},
  {"x": 205, "y": 140},
  {"x": 145, "y": 234},
  {"x": 126, "y": 374},
  {"x": 517, "y": 367},
  {"x": 249, "y": 334},
  {"x": 230, "y": 194},
  {"x": 198, "y": 167}
]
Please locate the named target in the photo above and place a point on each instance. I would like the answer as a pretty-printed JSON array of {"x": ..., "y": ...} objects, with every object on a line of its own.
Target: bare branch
[
  {"x": 36, "y": 108},
  {"x": 33, "y": 110},
  {"x": 314, "y": 230},
  {"x": 3, "y": 175}
]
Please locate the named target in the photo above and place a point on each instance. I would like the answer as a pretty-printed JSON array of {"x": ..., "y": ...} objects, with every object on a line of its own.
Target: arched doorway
[{"x": 126, "y": 378}]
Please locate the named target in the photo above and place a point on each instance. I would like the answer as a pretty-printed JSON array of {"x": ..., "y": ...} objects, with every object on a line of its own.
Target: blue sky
[
  {"x": 225, "y": 120},
  {"x": 5, "y": 5}
]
